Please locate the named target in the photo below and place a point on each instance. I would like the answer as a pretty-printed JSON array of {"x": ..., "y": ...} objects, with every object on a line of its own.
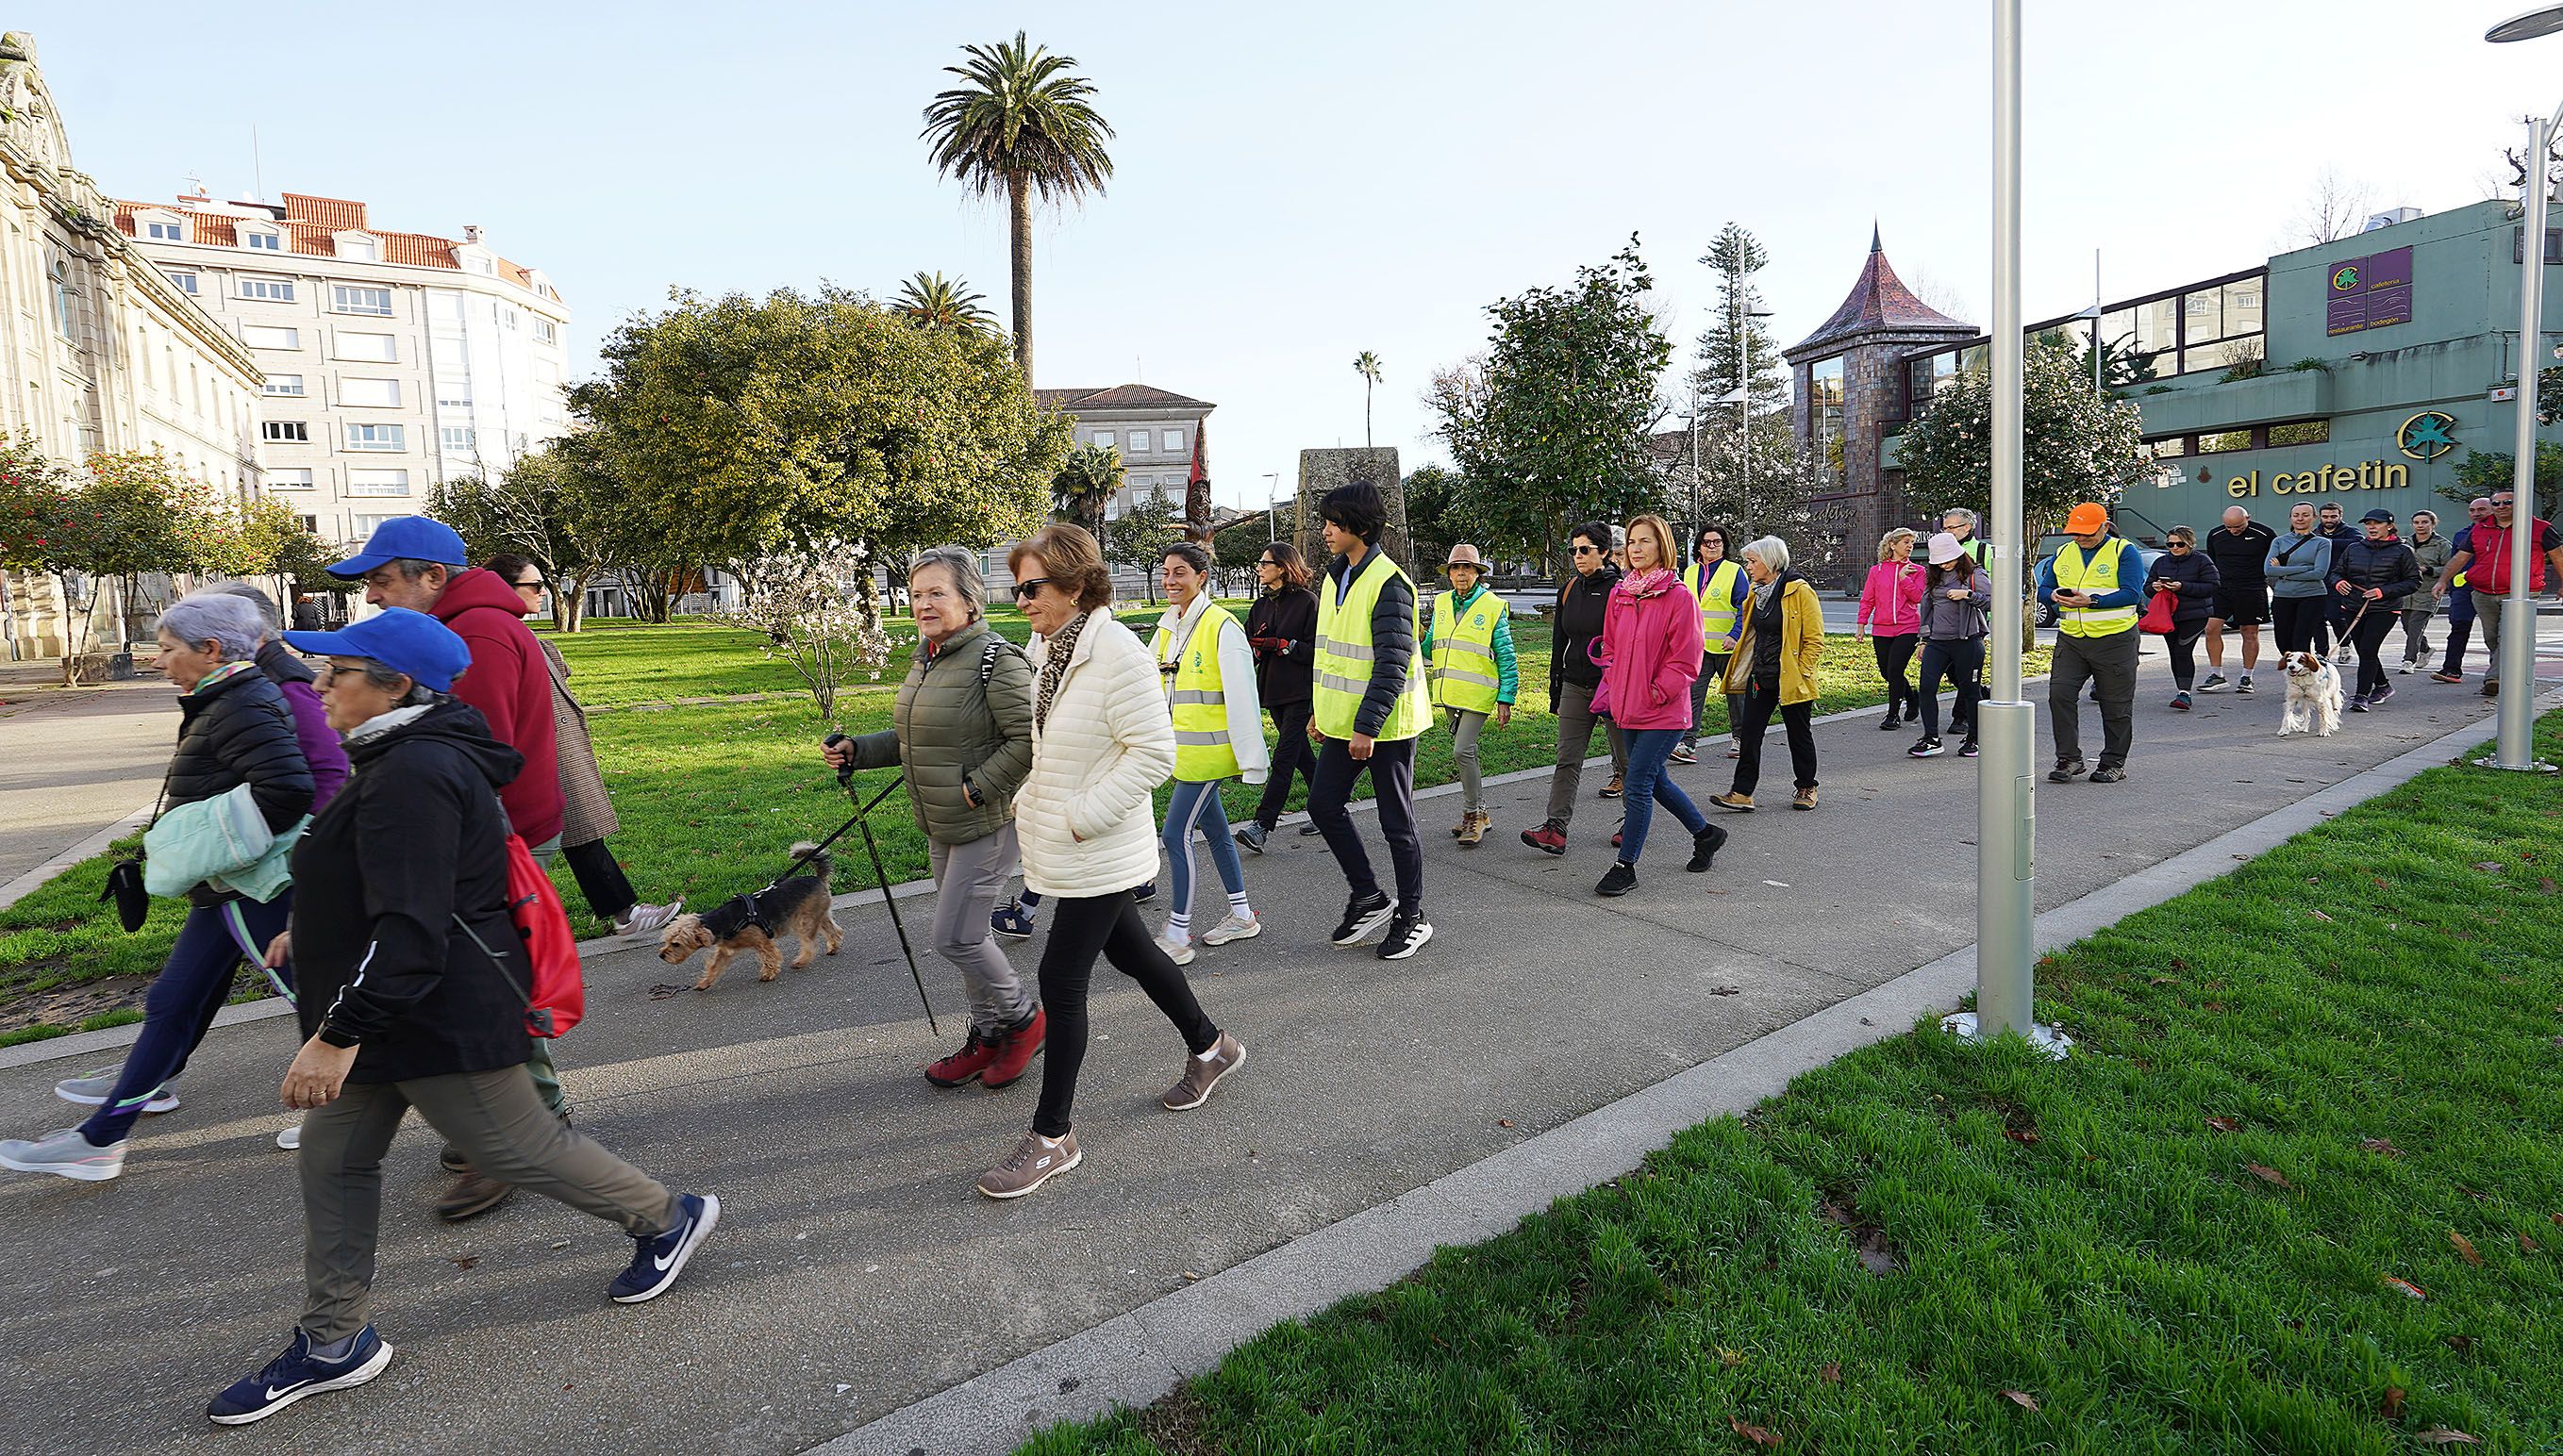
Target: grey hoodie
[{"x": 2299, "y": 566}]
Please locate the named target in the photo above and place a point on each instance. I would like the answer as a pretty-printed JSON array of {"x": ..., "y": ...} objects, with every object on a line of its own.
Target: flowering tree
[
  {"x": 2079, "y": 444},
  {"x": 805, "y": 609}
]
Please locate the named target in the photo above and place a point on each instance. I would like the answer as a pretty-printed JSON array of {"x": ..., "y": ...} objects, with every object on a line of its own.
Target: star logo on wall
[{"x": 2427, "y": 435}]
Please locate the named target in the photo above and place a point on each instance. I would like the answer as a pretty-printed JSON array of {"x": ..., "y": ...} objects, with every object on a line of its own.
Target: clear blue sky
[{"x": 1292, "y": 186}]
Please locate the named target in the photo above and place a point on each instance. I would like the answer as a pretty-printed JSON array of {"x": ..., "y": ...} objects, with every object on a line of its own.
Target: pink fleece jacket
[
  {"x": 1650, "y": 653},
  {"x": 1890, "y": 601}
]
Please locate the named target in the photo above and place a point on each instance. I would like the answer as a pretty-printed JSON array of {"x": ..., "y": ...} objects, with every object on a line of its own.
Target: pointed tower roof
[{"x": 1879, "y": 302}]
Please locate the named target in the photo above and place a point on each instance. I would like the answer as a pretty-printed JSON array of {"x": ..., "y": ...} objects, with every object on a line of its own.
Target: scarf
[
  {"x": 1060, "y": 647},
  {"x": 1762, "y": 592},
  {"x": 382, "y": 723},
  {"x": 224, "y": 674},
  {"x": 1655, "y": 580}
]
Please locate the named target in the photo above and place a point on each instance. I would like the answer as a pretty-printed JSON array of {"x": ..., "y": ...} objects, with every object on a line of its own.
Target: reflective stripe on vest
[
  {"x": 1463, "y": 653},
  {"x": 2096, "y": 575},
  {"x": 1342, "y": 668},
  {"x": 1197, "y": 698},
  {"x": 1717, "y": 618}
]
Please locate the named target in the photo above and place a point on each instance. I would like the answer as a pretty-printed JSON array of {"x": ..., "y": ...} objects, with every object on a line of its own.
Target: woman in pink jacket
[
  {"x": 1650, "y": 653},
  {"x": 1891, "y": 612}
]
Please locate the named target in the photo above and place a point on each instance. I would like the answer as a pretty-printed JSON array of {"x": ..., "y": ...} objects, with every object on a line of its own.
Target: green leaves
[{"x": 2079, "y": 445}]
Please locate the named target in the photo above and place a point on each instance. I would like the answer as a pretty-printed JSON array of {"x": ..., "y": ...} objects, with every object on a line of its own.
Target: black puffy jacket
[
  {"x": 234, "y": 732},
  {"x": 416, "y": 838},
  {"x": 2388, "y": 564}
]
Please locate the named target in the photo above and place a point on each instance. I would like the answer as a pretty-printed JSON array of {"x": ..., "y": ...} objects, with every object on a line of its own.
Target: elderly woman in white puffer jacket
[{"x": 1086, "y": 827}]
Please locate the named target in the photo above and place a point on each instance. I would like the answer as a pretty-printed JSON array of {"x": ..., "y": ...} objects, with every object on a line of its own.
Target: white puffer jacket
[{"x": 1084, "y": 820}]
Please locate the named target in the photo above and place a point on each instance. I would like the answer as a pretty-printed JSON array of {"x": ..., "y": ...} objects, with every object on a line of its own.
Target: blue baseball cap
[
  {"x": 406, "y": 641},
  {"x": 405, "y": 538}
]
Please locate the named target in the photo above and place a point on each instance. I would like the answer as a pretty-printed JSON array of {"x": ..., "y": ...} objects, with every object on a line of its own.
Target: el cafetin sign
[{"x": 2424, "y": 436}]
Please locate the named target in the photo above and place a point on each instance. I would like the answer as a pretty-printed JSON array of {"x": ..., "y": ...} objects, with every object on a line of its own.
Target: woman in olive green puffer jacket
[{"x": 962, "y": 729}]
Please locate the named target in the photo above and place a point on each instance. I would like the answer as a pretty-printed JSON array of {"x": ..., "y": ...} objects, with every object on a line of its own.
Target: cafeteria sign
[{"x": 2368, "y": 293}]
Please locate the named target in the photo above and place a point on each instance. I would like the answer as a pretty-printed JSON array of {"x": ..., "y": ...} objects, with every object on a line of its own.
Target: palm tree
[
  {"x": 1366, "y": 364},
  {"x": 1022, "y": 123},
  {"x": 1084, "y": 485},
  {"x": 935, "y": 301}
]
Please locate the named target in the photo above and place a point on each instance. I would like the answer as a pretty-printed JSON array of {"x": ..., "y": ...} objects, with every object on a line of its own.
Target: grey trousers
[
  {"x": 2415, "y": 637},
  {"x": 968, "y": 878},
  {"x": 499, "y": 1124},
  {"x": 1465, "y": 725},
  {"x": 2109, "y": 666},
  {"x": 2487, "y": 610},
  {"x": 1575, "y": 722}
]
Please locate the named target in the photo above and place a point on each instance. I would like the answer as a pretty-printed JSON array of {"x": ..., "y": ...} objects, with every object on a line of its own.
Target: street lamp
[
  {"x": 2516, "y": 745},
  {"x": 1743, "y": 395},
  {"x": 1271, "y": 506}
]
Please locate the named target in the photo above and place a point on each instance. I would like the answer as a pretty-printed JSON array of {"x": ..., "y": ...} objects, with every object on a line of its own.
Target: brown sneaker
[
  {"x": 1035, "y": 1160},
  {"x": 1472, "y": 825},
  {"x": 1460, "y": 830},
  {"x": 1201, "y": 1073},
  {"x": 471, "y": 1194},
  {"x": 1612, "y": 789},
  {"x": 1806, "y": 799},
  {"x": 1741, "y": 802}
]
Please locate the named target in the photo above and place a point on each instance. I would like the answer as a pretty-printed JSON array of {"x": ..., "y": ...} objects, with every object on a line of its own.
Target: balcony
[{"x": 2288, "y": 394}]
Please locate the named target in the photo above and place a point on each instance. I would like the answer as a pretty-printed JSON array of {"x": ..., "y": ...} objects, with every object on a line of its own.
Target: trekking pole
[{"x": 862, "y": 810}]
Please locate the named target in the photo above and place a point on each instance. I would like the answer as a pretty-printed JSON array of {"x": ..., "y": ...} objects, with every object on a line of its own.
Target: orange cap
[{"x": 2088, "y": 517}]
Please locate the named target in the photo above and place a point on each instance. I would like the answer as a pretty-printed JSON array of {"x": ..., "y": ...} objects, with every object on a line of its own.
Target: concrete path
[
  {"x": 856, "y": 1271},
  {"x": 74, "y": 761}
]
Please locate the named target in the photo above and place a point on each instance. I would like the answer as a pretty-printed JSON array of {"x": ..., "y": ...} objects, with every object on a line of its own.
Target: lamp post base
[
  {"x": 2046, "y": 1042},
  {"x": 2532, "y": 766}
]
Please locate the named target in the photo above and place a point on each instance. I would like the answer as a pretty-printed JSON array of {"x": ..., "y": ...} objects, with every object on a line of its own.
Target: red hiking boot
[
  {"x": 1014, "y": 1049},
  {"x": 964, "y": 1065},
  {"x": 1548, "y": 838}
]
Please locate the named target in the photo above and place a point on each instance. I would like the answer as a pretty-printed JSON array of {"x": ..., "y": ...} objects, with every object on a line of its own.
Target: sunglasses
[
  {"x": 1588, "y": 550},
  {"x": 1029, "y": 587},
  {"x": 1269, "y": 561},
  {"x": 537, "y": 585}
]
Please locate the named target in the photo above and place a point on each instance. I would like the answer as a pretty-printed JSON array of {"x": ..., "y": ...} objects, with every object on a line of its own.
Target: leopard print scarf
[{"x": 1061, "y": 648}]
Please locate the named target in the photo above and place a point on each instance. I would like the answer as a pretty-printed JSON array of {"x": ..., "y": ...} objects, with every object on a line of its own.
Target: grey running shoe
[
  {"x": 647, "y": 919},
  {"x": 1034, "y": 1161},
  {"x": 1252, "y": 836},
  {"x": 1234, "y": 928},
  {"x": 1202, "y": 1073},
  {"x": 2215, "y": 683},
  {"x": 93, "y": 1088},
  {"x": 63, "y": 1154}
]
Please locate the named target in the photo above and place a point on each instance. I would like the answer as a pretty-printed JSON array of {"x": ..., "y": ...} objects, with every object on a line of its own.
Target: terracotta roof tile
[
  {"x": 329, "y": 214},
  {"x": 1879, "y": 301}
]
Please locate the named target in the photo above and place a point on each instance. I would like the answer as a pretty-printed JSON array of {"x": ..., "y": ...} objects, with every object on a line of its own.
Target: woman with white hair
[
  {"x": 1774, "y": 666},
  {"x": 234, "y": 731},
  {"x": 285, "y": 667}
]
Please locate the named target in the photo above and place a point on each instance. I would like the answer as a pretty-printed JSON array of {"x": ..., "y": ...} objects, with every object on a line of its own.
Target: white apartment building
[
  {"x": 392, "y": 361},
  {"x": 1155, "y": 431},
  {"x": 97, "y": 350}
]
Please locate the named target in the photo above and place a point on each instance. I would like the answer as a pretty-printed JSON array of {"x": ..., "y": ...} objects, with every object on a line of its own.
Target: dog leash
[{"x": 863, "y": 812}]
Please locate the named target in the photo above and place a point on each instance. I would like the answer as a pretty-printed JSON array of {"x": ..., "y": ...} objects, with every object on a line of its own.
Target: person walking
[
  {"x": 1650, "y": 654},
  {"x": 2298, "y": 567},
  {"x": 1960, "y": 523},
  {"x": 1774, "y": 666},
  {"x": 234, "y": 732},
  {"x": 306, "y": 612},
  {"x": 1956, "y": 594},
  {"x": 1371, "y": 703},
  {"x": 1890, "y": 603},
  {"x": 2337, "y": 609},
  {"x": 2484, "y": 559},
  {"x": 1575, "y": 630},
  {"x": 1103, "y": 741},
  {"x": 417, "y": 564},
  {"x": 587, "y": 810},
  {"x": 961, "y": 730},
  {"x": 2453, "y": 589},
  {"x": 414, "y": 994},
  {"x": 2380, "y": 574},
  {"x": 2093, "y": 582},
  {"x": 1282, "y": 628},
  {"x": 284, "y": 668},
  {"x": 1473, "y": 676},
  {"x": 2191, "y": 578},
  {"x": 2430, "y": 552},
  {"x": 1209, "y": 676},
  {"x": 2239, "y": 549},
  {"x": 1718, "y": 583}
]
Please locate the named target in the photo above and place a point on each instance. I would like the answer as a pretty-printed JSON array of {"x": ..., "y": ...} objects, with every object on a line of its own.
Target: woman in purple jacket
[
  {"x": 283, "y": 666},
  {"x": 1649, "y": 651}
]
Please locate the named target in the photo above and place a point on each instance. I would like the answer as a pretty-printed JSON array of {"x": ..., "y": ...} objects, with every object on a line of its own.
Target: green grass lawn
[
  {"x": 2300, "y": 1190},
  {"x": 711, "y": 795}
]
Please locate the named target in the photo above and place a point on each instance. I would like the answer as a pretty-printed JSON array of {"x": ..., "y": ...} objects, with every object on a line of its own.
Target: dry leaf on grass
[
  {"x": 2268, "y": 1175},
  {"x": 2460, "y": 1344},
  {"x": 2526, "y": 1245},
  {"x": 2379, "y": 1145},
  {"x": 2441, "y": 1436},
  {"x": 2392, "y": 1409},
  {"x": 2488, "y": 866},
  {"x": 2225, "y": 1124},
  {"x": 2406, "y": 1287},
  {"x": 1729, "y": 1358},
  {"x": 1830, "y": 1375},
  {"x": 2465, "y": 1248},
  {"x": 2021, "y": 1399},
  {"x": 1768, "y": 1440},
  {"x": 2020, "y": 1135},
  {"x": 2318, "y": 915}
]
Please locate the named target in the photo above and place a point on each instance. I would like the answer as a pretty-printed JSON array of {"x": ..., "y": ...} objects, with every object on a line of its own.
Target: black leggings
[
  {"x": 2303, "y": 622},
  {"x": 601, "y": 879},
  {"x": 2183, "y": 645},
  {"x": 1292, "y": 752},
  {"x": 1893, "y": 653},
  {"x": 2368, "y": 636},
  {"x": 1080, "y": 930}
]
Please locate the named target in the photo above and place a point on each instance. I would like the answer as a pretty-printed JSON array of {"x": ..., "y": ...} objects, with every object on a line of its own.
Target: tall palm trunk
[
  {"x": 1019, "y": 209},
  {"x": 1366, "y": 413}
]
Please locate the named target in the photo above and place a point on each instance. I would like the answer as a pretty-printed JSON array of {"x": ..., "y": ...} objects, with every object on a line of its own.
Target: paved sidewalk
[
  {"x": 74, "y": 761},
  {"x": 856, "y": 1270}
]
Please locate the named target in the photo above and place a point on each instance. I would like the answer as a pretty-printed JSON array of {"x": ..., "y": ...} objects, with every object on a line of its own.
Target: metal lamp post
[
  {"x": 1744, "y": 393},
  {"x": 2516, "y": 746},
  {"x": 1271, "y": 506},
  {"x": 2006, "y": 811}
]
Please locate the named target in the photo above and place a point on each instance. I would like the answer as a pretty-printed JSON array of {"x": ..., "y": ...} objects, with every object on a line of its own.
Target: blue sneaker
[
  {"x": 1144, "y": 893},
  {"x": 1012, "y": 921},
  {"x": 658, "y": 1261},
  {"x": 296, "y": 1374}
]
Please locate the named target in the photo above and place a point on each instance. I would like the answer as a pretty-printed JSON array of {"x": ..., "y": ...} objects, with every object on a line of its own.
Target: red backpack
[{"x": 558, "y": 998}]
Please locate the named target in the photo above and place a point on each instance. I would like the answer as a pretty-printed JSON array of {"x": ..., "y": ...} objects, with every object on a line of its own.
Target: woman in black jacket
[
  {"x": 1572, "y": 676},
  {"x": 2188, "y": 571},
  {"x": 2372, "y": 578},
  {"x": 1281, "y": 627},
  {"x": 415, "y": 986},
  {"x": 234, "y": 729}
]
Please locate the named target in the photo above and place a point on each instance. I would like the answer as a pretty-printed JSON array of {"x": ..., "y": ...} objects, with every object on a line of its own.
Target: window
[
  {"x": 253, "y": 238},
  {"x": 344, "y": 300},
  {"x": 372, "y": 348},
  {"x": 445, "y": 305},
  {"x": 282, "y": 384},
  {"x": 275, "y": 291},
  {"x": 369, "y": 392},
  {"x": 295, "y": 480},
  {"x": 1104, "y": 438},
  {"x": 258, "y": 337},
  {"x": 1825, "y": 415},
  {"x": 366, "y": 525},
  {"x": 483, "y": 266},
  {"x": 186, "y": 282},
  {"x": 508, "y": 317},
  {"x": 165, "y": 232},
  {"x": 362, "y": 482},
  {"x": 2302, "y": 431},
  {"x": 546, "y": 332},
  {"x": 376, "y": 437},
  {"x": 453, "y": 396},
  {"x": 310, "y": 523},
  {"x": 1138, "y": 441},
  {"x": 283, "y": 431},
  {"x": 458, "y": 436},
  {"x": 360, "y": 250},
  {"x": 2164, "y": 449},
  {"x": 2223, "y": 440},
  {"x": 1171, "y": 440}
]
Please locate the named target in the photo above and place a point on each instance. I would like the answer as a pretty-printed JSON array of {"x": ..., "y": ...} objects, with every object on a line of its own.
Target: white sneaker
[
  {"x": 1234, "y": 928},
  {"x": 1179, "y": 952},
  {"x": 290, "y": 1139},
  {"x": 93, "y": 1088},
  {"x": 63, "y": 1154},
  {"x": 648, "y": 919}
]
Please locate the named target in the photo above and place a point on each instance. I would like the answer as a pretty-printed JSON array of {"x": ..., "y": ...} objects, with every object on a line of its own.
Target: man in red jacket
[{"x": 418, "y": 563}]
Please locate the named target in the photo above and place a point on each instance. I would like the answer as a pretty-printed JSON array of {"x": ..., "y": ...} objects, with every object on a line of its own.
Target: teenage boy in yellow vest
[
  {"x": 2095, "y": 582},
  {"x": 1720, "y": 585},
  {"x": 1369, "y": 705},
  {"x": 1470, "y": 645}
]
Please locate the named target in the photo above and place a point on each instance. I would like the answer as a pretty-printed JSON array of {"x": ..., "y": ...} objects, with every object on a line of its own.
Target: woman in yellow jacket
[{"x": 1782, "y": 637}]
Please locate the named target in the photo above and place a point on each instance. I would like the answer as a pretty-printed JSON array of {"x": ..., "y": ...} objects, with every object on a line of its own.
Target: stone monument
[{"x": 1321, "y": 471}]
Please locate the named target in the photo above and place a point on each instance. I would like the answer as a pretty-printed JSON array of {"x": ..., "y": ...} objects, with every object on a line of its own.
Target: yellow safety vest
[
  {"x": 2096, "y": 573},
  {"x": 1717, "y": 618},
  {"x": 1464, "y": 672},
  {"x": 1198, "y": 698},
  {"x": 1344, "y": 657}
]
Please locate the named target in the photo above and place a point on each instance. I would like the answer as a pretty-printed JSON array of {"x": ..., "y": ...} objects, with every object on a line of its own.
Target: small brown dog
[{"x": 796, "y": 906}]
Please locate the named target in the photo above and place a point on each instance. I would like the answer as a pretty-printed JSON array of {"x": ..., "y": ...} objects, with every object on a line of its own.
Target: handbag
[
  {"x": 557, "y": 998},
  {"x": 2158, "y": 612},
  {"x": 125, "y": 878}
]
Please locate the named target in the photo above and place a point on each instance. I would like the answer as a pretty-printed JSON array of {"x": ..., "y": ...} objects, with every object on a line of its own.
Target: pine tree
[{"x": 1735, "y": 256}]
